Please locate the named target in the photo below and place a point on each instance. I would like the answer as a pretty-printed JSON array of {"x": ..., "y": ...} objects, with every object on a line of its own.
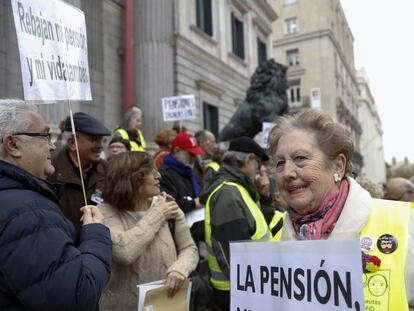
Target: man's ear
[
  {"x": 11, "y": 146},
  {"x": 71, "y": 143},
  {"x": 340, "y": 165}
]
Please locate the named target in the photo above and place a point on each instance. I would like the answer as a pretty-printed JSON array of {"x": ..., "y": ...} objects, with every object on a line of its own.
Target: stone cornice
[
  {"x": 267, "y": 9},
  {"x": 262, "y": 25},
  {"x": 295, "y": 71},
  {"x": 202, "y": 34},
  {"x": 241, "y": 5},
  {"x": 210, "y": 87}
]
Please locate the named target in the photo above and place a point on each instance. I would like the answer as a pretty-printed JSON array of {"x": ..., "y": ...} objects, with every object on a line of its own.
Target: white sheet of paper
[{"x": 195, "y": 216}]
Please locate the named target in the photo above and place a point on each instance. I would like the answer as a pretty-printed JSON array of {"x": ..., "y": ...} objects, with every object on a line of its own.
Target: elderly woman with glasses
[{"x": 312, "y": 155}]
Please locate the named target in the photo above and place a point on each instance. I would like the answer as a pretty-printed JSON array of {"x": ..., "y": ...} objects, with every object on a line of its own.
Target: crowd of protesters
[{"x": 90, "y": 246}]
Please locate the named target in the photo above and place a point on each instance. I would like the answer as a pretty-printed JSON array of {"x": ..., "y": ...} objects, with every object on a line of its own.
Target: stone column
[{"x": 153, "y": 48}]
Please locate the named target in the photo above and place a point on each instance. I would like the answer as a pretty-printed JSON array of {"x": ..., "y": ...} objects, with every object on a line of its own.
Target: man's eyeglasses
[{"x": 48, "y": 135}]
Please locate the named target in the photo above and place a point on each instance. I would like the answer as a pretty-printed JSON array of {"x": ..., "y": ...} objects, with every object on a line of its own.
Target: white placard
[
  {"x": 296, "y": 276},
  {"x": 53, "y": 49},
  {"x": 178, "y": 108},
  {"x": 194, "y": 216},
  {"x": 266, "y": 127},
  {"x": 316, "y": 97}
]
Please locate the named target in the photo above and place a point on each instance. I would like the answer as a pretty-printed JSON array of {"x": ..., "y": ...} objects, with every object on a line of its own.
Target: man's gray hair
[
  {"x": 235, "y": 159},
  {"x": 13, "y": 117}
]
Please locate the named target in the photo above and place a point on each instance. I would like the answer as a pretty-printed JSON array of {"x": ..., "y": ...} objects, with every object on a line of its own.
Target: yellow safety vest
[
  {"x": 383, "y": 290},
  {"x": 262, "y": 233},
  {"x": 134, "y": 145},
  {"x": 276, "y": 225},
  {"x": 213, "y": 165}
]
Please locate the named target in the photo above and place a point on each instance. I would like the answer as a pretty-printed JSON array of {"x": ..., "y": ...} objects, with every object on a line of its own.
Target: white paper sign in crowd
[
  {"x": 296, "y": 276},
  {"x": 266, "y": 127},
  {"x": 53, "y": 50},
  {"x": 178, "y": 108}
]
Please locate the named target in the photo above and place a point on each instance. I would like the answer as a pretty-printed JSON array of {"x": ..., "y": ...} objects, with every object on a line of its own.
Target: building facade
[
  {"x": 314, "y": 40},
  {"x": 371, "y": 138},
  {"x": 209, "y": 48}
]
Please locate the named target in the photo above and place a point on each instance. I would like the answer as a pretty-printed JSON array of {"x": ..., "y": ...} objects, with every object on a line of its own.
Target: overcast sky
[{"x": 383, "y": 45}]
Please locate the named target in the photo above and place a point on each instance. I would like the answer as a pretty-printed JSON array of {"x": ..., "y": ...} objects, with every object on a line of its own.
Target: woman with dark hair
[
  {"x": 138, "y": 216},
  {"x": 313, "y": 156}
]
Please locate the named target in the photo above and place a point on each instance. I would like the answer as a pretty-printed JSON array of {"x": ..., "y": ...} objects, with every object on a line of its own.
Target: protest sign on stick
[
  {"x": 53, "y": 50},
  {"x": 51, "y": 36}
]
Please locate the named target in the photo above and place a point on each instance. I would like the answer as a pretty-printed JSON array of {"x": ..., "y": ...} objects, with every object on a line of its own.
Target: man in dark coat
[
  {"x": 43, "y": 264},
  {"x": 89, "y": 133}
]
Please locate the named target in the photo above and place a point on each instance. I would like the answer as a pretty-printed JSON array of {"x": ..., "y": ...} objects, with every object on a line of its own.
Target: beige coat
[
  {"x": 352, "y": 220},
  {"x": 143, "y": 251}
]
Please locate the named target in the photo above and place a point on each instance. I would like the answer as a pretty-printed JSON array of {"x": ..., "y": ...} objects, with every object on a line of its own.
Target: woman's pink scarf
[{"x": 320, "y": 223}]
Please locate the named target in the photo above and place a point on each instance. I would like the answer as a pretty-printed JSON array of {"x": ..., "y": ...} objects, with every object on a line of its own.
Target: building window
[
  {"x": 294, "y": 94},
  {"x": 291, "y": 25},
  {"x": 210, "y": 118},
  {"x": 237, "y": 36},
  {"x": 204, "y": 16},
  {"x": 288, "y": 2},
  {"x": 261, "y": 51},
  {"x": 293, "y": 57}
]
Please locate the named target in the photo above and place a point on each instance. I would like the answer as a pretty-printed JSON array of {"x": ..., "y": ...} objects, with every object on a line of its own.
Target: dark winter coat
[
  {"x": 230, "y": 217},
  {"x": 43, "y": 265},
  {"x": 72, "y": 198},
  {"x": 178, "y": 186}
]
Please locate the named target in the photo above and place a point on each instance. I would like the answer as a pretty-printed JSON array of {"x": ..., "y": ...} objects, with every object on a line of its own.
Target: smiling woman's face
[{"x": 303, "y": 175}]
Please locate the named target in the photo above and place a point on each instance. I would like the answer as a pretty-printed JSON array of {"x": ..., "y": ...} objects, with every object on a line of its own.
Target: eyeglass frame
[{"x": 35, "y": 134}]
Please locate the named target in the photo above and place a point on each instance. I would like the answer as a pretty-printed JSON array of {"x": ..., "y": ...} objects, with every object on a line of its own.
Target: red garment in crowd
[{"x": 160, "y": 154}]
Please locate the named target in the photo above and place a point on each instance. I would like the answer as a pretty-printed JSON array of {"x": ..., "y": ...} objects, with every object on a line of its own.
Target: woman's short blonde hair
[{"x": 332, "y": 138}]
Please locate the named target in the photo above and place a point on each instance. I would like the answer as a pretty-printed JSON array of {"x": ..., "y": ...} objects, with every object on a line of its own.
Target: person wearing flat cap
[
  {"x": 233, "y": 209},
  {"x": 89, "y": 134}
]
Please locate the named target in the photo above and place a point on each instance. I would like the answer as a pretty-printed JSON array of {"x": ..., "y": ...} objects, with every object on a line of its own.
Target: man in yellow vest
[
  {"x": 131, "y": 130},
  {"x": 233, "y": 210}
]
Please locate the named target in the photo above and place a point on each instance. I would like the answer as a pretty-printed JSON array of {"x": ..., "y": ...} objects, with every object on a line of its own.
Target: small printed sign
[{"x": 178, "y": 108}]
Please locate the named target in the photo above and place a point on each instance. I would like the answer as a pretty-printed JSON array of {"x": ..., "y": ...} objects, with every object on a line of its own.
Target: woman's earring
[{"x": 337, "y": 178}]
